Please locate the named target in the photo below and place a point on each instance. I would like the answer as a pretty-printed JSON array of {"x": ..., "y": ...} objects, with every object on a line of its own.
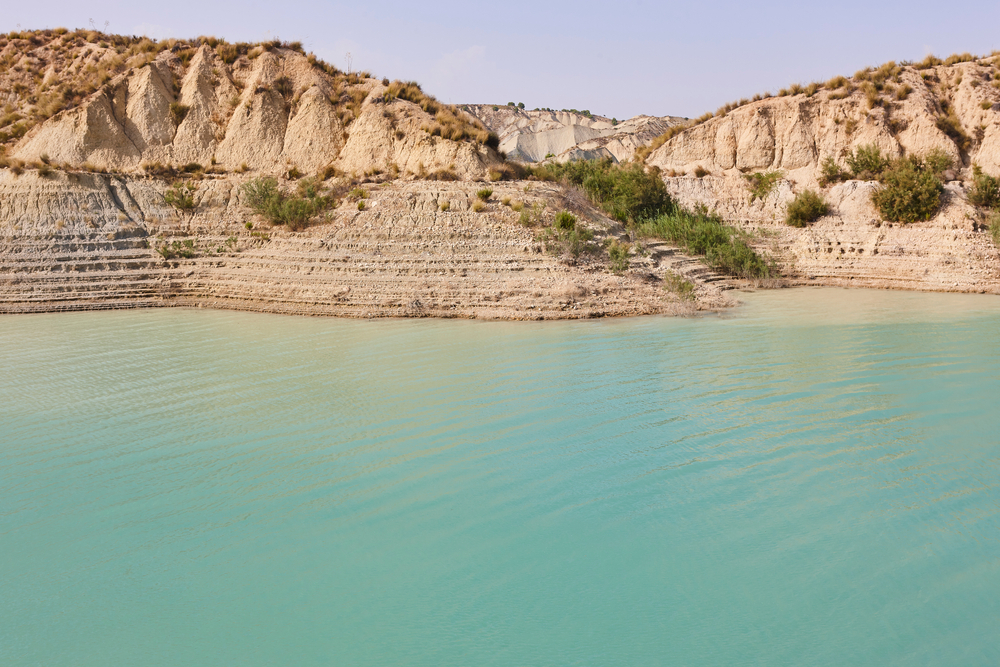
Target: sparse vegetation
[
  {"x": 295, "y": 211},
  {"x": 985, "y": 190},
  {"x": 178, "y": 112},
  {"x": 530, "y": 216},
  {"x": 484, "y": 194},
  {"x": 993, "y": 224},
  {"x": 807, "y": 207},
  {"x": 679, "y": 286},
  {"x": 699, "y": 232},
  {"x": 449, "y": 122},
  {"x": 618, "y": 256},
  {"x": 627, "y": 193},
  {"x": 180, "y": 196},
  {"x": 701, "y": 172},
  {"x": 761, "y": 184},
  {"x": 949, "y": 123},
  {"x": 478, "y": 206},
  {"x": 185, "y": 249},
  {"x": 830, "y": 172},
  {"x": 561, "y": 241},
  {"x": 910, "y": 189}
]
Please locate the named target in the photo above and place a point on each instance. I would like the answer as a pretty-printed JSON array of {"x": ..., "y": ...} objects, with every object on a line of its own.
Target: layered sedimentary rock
[{"x": 86, "y": 241}]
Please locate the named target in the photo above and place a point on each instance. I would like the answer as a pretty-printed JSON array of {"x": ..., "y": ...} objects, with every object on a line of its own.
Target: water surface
[{"x": 809, "y": 480}]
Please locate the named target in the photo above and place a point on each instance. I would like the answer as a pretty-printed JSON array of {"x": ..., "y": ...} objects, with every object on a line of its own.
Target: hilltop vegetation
[{"x": 89, "y": 100}]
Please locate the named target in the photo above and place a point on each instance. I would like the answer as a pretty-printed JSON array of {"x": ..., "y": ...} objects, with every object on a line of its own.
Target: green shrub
[
  {"x": 805, "y": 208},
  {"x": 565, "y": 220},
  {"x": 574, "y": 241},
  {"x": 178, "y": 111},
  {"x": 677, "y": 284},
  {"x": 909, "y": 191},
  {"x": 618, "y": 256},
  {"x": 994, "y": 225},
  {"x": 949, "y": 123},
  {"x": 705, "y": 234},
  {"x": 485, "y": 194},
  {"x": 627, "y": 193},
  {"x": 830, "y": 172},
  {"x": 361, "y": 204},
  {"x": 357, "y": 193},
  {"x": 985, "y": 190},
  {"x": 180, "y": 196},
  {"x": 266, "y": 199},
  {"x": 445, "y": 206},
  {"x": 866, "y": 163},
  {"x": 761, "y": 184}
]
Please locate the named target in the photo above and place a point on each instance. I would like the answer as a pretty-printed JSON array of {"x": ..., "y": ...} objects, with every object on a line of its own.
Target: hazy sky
[{"x": 617, "y": 59}]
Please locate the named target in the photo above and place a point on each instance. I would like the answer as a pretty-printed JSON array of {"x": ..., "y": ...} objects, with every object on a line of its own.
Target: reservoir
[{"x": 812, "y": 478}]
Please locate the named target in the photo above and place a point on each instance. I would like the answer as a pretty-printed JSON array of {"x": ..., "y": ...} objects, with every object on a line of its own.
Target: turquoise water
[{"x": 810, "y": 480}]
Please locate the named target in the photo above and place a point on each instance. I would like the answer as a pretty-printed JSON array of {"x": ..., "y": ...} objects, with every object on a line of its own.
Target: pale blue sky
[{"x": 617, "y": 59}]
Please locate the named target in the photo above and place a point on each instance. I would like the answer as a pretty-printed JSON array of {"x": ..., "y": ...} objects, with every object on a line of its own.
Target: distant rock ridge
[{"x": 537, "y": 135}]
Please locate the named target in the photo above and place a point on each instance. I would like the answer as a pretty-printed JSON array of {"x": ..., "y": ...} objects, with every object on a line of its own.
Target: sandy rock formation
[
  {"x": 76, "y": 241},
  {"x": 268, "y": 110},
  {"x": 794, "y": 134},
  {"x": 532, "y": 136}
]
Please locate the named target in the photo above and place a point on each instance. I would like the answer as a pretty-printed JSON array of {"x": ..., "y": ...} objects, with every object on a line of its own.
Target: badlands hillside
[
  {"x": 907, "y": 109},
  {"x": 540, "y": 134},
  {"x": 255, "y": 176}
]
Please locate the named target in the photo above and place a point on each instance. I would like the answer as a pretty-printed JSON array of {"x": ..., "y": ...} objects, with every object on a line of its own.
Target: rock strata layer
[{"x": 87, "y": 241}]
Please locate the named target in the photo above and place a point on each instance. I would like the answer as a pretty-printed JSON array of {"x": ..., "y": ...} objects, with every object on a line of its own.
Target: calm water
[{"x": 812, "y": 480}]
